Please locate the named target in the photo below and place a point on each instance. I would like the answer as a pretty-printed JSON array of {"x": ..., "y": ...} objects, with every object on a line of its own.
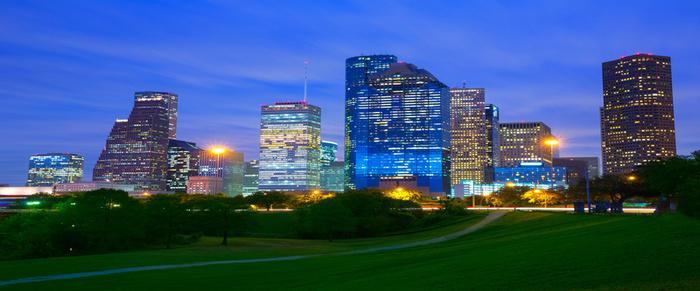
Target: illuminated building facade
[
  {"x": 250, "y": 178},
  {"x": 170, "y": 102},
  {"x": 136, "y": 150},
  {"x": 183, "y": 162},
  {"x": 575, "y": 169},
  {"x": 401, "y": 130},
  {"x": 357, "y": 73},
  {"x": 492, "y": 116},
  {"x": 637, "y": 120},
  {"x": 332, "y": 177},
  {"x": 533, "y": 173},
  {"x": 49, "y": 169},
  {"x": 592, "y": 164},
  {"x": 204, "y": 185},
  {"x": 231, "y": 169},
  {"x": 290, "y": 147},
  {"x": 328, "y": 152},
  {"x": 522, "y": 142},
  {"x": 468, "y": 137}
]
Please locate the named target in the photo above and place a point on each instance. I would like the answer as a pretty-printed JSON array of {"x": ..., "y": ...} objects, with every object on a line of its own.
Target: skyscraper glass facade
[
  {"x": 468, "y": 134},
  {"x": 250, "y": 179},
  {"x": 170, "y": 101},
  {"x": 492, "y": 116},
  {"x": 328, "y": 152},
  {"x": 183, "y": 162},
  {"x": 290, "y": 147},
  {"x": 401, "y": 129},
  {"x": 524, "y": 141},
  {"x": 637, "y": 119},
  {"x": 357, "y": 73},
  {"x": 48, "y": 169},
  {"x": 136, "y": 150},
  {"x": 231, "y": 169}
]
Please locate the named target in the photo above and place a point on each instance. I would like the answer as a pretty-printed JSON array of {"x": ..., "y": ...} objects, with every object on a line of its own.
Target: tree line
[{"x": 108, "y": 220}]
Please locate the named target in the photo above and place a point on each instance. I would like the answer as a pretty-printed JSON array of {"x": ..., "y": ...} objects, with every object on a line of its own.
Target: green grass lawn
[{"x": 521, "y": 251}]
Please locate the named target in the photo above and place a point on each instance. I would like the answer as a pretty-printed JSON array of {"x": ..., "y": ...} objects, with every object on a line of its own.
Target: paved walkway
[{"x": 493, "y": 216}]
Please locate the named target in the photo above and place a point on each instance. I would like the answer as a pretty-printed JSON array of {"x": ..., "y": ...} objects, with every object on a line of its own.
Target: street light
[
  {"x": 551, "y": 143},
  {"x": 218, "y": 152}
]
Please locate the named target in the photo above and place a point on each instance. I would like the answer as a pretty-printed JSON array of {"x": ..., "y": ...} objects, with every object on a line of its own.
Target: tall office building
[
  {"x": 637, "y": 120},
  {"x": 468, "y": 138},
  {"x": 328, "y": 152},
  {"x": 523, "y": 142},
  {"x": 492, "y": 114},
  {"x": 357, "y": 73},
  {"x": 45, "y": 170},
  {"x": 399, "y": 131},
  {"x": 250, "y": 178},
  {"x": 592, "y": 164},
  {"x": 183, "y": 163},
  {"x": 231, "y": 169},
  {"x": 136, "y": 150},
  {"x": 290, "y": 147}
]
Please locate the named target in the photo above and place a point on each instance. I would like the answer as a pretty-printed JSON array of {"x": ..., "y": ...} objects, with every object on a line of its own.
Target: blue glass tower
[
  {"x": 400, "y": 131},
  {"x": 357, "y": 73}
]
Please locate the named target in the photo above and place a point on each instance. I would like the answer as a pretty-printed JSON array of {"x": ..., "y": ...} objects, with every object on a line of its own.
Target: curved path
[{"x": 493, "y": 216}]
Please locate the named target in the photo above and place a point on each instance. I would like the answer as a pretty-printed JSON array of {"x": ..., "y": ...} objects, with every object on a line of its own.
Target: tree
[
  {"x": 166, "y": 213},
  {"x": 541, "y": 197},
  {"x": 404, "y": 194},
  {"x": 509, "y": 196},
  {"x": 222, "y": 214},
  {"x": 329, "y": 216},
  {"x": 268, "y": 199}
]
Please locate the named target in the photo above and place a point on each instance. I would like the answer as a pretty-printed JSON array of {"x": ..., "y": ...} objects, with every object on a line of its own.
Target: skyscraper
[
  {"x": 399, "y": 131},
  {"x": 492, "y": 144},
  {"x": 523, "y": 142},
  {"x": 357, "y": 73},
  {"x": 328, "y": 152},
  {"x": 231, "y": 169},
  {"x": 468, "y": 134},
  {"x": 48, "y": 169},
  {"x": 183, "y": 162},
  {"x": 250, "y": 179},
  {"x": 637, "y": 120},
  {"x": 290, "y": 147},
  {"x": 136, "y": 150}
]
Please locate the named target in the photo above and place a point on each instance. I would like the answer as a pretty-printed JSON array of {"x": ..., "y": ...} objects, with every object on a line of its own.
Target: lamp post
[
  {"x": 551, "y": 143},
  {"x": 218, "y": 152}
]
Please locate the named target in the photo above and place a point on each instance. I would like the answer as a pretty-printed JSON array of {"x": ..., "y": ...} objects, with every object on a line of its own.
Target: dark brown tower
[{"x": 637, "y": 123}]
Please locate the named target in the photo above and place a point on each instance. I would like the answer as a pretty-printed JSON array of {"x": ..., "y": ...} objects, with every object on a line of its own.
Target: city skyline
[{"x": 69, "y": 70}]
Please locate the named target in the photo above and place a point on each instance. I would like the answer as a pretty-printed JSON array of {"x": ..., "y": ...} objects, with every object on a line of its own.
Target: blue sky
[{"x": 68, "y": 69}]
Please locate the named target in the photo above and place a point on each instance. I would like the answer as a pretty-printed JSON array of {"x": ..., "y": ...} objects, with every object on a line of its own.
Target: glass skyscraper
[
  {"x": 231, "y": 169},
  {"x": 398, "y": 128},
  {"x": 524, "y": 142},
  {"x": 637, "y": 123},
  {"x": 468, "y": 134},
  {"x": 492, "y": 114},
  {"x": 357, "y": 73},
  {"x": 136, "y": 150},
  {"x": 183, "y": 162},
  {"x": 290, "y": 147},
  {"x": 48, "y": 169},
  {"x": 328, "y": 152},
  {"x": 250, "y": 179}
]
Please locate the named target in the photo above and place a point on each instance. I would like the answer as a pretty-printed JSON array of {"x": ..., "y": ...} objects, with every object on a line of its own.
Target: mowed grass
[
  {"x": 210, "y": 249},
  {"x": 531, "y": 251}
]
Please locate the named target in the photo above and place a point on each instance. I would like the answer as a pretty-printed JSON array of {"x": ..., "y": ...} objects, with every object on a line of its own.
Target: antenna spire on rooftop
[{"x": 305, "y": 78}]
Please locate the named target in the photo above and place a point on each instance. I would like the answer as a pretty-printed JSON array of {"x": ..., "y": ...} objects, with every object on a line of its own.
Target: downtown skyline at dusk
[{"x": 69, "y": 70}]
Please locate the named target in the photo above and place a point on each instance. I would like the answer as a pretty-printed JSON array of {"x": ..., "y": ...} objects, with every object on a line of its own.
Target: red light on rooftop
[
  {"x": 622, "y": 57},
  {"x": 400, "y": 62},
  {"x": 648, "y": 54},
  {"x": 639, "y": 53}
]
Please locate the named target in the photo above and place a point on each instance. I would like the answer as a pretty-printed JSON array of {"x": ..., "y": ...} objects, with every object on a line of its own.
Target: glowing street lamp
[
  {"x": 551, "y": 143},
  {"x": 218, "y": 152}
]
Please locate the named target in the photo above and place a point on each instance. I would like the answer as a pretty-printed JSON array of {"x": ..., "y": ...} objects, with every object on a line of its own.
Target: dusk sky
[{"x": 68, "y": 69}]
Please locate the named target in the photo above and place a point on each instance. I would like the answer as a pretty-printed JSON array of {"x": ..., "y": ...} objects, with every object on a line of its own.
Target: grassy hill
[{"x": 520, "y": 251}]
